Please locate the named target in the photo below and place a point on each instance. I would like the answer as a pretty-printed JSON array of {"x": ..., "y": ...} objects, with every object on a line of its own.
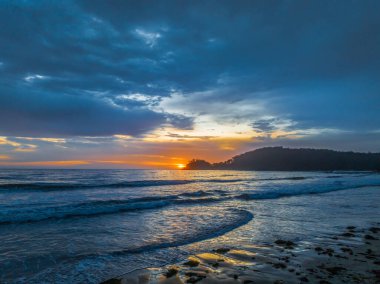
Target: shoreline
[{"x": 353, "y": 256}]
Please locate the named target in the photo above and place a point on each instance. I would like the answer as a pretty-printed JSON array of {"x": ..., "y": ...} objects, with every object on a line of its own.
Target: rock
[
  {"x": 286, "y": 244},
  {"x": 335, "y": 269},
  {"x": 374, "y": 230},
  {"x": 347, "y": 250},
  {"x": 351, "y": 228},
  {"x": 171, "y": 272},
  {"x": 112, "y": 281},
  {"x": 279, "y": 265},
  {"x": 348, "y": 234},
  {"x": 222, "y": 250},
  {"x": 377, "y": 273},
  {"x": 329, "y": 251},
  {"x": 192, "y": 263},
  {"x": 369, "y": 237},
  {"x": 318, "y": 249},
  {"x": 215, "y": 264},
  {"x": 194, "y": 279},
  {"x": 195, "y": 274}
]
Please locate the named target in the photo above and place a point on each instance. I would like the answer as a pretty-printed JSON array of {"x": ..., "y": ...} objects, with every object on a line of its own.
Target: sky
[{"x": 153, "y": 84}]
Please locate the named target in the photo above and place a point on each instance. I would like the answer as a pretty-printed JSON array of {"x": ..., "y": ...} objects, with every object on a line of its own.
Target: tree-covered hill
[{"x": 285, "y": 159}]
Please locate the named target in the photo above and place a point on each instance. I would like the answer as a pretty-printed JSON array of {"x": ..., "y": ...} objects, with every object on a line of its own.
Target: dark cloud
[
  {"x": 37, "y": 114},
  {"x": 264, "y": 125},
  {"x": 64, "y": 65}
]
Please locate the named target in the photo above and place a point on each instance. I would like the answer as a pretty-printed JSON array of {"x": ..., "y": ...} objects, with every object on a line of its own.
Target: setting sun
[{"x": 181, "y": 166}]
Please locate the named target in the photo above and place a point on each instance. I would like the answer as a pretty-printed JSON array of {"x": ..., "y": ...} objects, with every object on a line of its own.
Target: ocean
[{"x": 85, "y": 226}]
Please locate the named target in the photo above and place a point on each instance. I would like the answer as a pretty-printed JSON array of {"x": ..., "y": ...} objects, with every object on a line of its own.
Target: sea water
[{"x": 84, "y": 226}]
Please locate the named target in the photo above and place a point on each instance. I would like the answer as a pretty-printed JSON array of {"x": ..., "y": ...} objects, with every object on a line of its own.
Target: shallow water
[{"x": 76, "y": 226}]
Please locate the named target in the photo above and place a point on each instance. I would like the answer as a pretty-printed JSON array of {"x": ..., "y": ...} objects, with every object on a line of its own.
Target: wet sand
[{"x": 353, "y": 256}]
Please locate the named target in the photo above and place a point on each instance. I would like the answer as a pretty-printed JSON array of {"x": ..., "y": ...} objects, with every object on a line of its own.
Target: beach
[
  {"x": 351, "y": 257},
  {"x": 92, "y": 226},
  {"x": 344, "y": 254}
]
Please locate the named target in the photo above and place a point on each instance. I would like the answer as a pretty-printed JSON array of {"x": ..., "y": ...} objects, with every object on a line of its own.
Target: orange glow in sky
[{"x": 128, "y": 152}]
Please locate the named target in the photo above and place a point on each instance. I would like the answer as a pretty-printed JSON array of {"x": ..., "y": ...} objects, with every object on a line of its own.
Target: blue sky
[{"x": 154, "y": 83}]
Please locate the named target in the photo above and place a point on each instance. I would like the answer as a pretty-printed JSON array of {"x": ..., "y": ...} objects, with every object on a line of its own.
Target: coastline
[
  {"x": 205, "y": 220},
  {"x": 352, "y": 256}
]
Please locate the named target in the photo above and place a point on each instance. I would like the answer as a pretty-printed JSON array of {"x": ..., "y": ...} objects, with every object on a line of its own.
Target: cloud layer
[{"x": 265, "y": 72}]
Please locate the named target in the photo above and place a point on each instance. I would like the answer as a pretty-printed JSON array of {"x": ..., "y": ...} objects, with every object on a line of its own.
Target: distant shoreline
[{"x": 287, "y": 159}]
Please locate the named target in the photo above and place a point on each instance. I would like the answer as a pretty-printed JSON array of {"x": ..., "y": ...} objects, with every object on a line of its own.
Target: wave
[
  {"x": 276, "y": 193},
  {"x": 41, "y": 212},
  {"x": 96, "y": 208},
  {"x": 214, "y": 226},
  {"x": 198, "y": 193},
  {"x": 45, "y": 186},
  {"x": 232, "y": 220},
  {"x": 124, "y": 184},
  {"x": 62, "y": 186}
]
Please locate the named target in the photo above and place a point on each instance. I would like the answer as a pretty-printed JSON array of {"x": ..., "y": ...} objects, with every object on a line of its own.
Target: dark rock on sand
[
  {"x": 171, "y": 272},
  {"x": 215, "y": 264},
  {"x": 222, "y": 250},
  {"x": 335, "y": 269},
  {"x": 195, "y": 274},
  {"x": 369, "y": 237},
  {"x": 279, "y": 265},
  {"x": 374, "y": 230},
  {"x": 286, "y": 244},
  {"x": 194, "y": 279},
  {"x": 347, "y": 250},
  {"x": 329, "y": 251},
  {"x": 318, "y": 249},
  {"x": 377, "y": 273},
  {"x": 112, "y": 281},
  {"x": 192, "y": 263}
]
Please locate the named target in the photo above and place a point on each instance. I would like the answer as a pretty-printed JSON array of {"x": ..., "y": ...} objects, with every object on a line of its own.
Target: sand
[{"x": 350, "y": 257}]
